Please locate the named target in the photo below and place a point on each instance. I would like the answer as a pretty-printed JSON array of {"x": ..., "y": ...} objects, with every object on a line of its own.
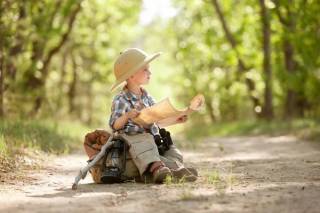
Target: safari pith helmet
[{"x": 129, "y": 62}]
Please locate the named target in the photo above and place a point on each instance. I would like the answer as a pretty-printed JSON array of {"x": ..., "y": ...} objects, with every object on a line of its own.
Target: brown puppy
[{"x": 94, "y": 141}]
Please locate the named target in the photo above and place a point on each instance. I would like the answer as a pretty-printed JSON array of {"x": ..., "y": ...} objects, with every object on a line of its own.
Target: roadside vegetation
[{"x": 21, "y": 139}]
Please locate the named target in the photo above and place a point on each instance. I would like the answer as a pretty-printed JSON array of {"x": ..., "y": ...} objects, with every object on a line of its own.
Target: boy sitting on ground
[{"x": 132, "y": 67}]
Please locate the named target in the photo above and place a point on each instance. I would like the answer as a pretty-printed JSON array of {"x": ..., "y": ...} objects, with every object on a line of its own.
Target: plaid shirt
[{"x": 124, "y": 102}]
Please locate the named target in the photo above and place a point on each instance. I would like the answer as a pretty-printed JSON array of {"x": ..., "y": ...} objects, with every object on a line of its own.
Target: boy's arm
[{"x": 123, "y": 119}]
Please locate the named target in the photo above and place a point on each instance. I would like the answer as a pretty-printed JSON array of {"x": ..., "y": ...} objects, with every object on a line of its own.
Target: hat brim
[{"x": 147, "y": 60}]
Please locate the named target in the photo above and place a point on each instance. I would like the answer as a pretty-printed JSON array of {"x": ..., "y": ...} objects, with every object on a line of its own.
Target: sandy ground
[{"x": 237, "y": 174}]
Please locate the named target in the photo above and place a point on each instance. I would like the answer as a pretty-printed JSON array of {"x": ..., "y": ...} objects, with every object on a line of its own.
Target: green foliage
[
  {"x": 48, "y": 136},
  {"x": 207, "y": 63},
  {"x": 62, "y": 53},
  {"x": 58, "y": 58},
  {"x": 3, "y": 146}
]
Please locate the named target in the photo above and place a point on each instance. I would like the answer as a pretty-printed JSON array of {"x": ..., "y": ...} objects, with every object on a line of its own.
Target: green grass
[
  {"x": 307, "y": 129},
  {"x": 213, "y": 177},
  {"x": 48, "y": 136},
  {"x": 20, "y": 139},
  {"x": 221, "y": 180}
]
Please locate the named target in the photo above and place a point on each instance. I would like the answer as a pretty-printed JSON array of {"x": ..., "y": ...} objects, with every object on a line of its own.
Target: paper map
[{"x": 165, "y": 114}]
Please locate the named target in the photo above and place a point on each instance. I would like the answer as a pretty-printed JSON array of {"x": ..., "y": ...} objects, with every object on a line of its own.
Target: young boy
[{"x": 132, "y": 67}]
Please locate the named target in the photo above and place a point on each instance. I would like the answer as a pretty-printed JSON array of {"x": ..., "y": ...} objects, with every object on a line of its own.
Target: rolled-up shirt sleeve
[{"x": 118, "y": 108}]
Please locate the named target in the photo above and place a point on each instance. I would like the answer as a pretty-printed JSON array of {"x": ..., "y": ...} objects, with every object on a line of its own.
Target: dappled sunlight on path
[{"x": 255, "y": 174}]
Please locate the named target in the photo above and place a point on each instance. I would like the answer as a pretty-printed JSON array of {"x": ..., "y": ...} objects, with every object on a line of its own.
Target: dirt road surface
[{"x": 237, "y": 174}]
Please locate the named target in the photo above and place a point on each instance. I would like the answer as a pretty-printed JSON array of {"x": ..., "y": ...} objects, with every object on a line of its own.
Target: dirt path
[{"x": 239, "y": 174}]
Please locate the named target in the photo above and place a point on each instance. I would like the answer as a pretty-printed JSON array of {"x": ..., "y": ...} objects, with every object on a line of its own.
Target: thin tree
[
  {"x": 73, "y": 84},
  {"x": 267, "y": 109},
  {"x": 1, "y": 84},
  {"x": 242, "y": 68},
  {"x": 38, "y": 84},
  {"x": 294, "y": 104}
]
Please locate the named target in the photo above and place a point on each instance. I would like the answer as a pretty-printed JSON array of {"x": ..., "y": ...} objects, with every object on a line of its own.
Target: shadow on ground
[{"x": 238, "y": 174}]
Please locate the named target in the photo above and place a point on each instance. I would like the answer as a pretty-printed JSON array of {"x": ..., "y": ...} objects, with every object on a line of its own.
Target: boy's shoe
[
  {"x": 184, "y": 174},
  {"x": 193, "y": 171},
  {"x": 160, "y": 174}
]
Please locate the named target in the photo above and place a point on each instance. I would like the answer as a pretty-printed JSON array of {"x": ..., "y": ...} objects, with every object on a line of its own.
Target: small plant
[
  {"x": 168, "y": 181},
  {"x": 177, "y": 182},
  {"x": 186, "y": 195},
  {"x": 231, "y": 179},
  {"x": 182, "y": 181},
  {"x": 213, "y": 178}
]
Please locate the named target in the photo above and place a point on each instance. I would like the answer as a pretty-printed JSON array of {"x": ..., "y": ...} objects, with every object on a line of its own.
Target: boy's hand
[
  {"x": 182, "y": 119},
  {"x": 132, "y": 114}
]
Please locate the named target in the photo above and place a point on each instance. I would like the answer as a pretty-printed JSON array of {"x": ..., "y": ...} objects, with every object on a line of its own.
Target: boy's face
[{"x": 142, "y": 76}]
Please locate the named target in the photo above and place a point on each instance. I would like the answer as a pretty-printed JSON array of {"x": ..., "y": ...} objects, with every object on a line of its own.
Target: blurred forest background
[{"x": 257, "y": 62}]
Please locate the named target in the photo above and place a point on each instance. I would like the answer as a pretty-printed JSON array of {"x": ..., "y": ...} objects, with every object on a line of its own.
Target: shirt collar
[{"x": 131, "y": 96}]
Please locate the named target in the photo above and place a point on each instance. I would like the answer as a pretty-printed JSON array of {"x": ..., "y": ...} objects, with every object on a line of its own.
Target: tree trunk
[
  {"x": 64, "y": 38},
  {"x": 73, "y": 84},
  {"x": 241, "y": 65},
  {"x": 19, "y": 41},
  {"x": 291, "y": 95},
  {"x": 2, "y": 61},
  {"x": 267, "y": 109},
  {"x": 294, "y": 105},
  {"x": 1, "y": 84},
  {"x": 40, "y": 83},
  {"x": 89, "y": 107},
  {"x": 210, "y": 109},
  {"x": 62, "y": 79}
]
